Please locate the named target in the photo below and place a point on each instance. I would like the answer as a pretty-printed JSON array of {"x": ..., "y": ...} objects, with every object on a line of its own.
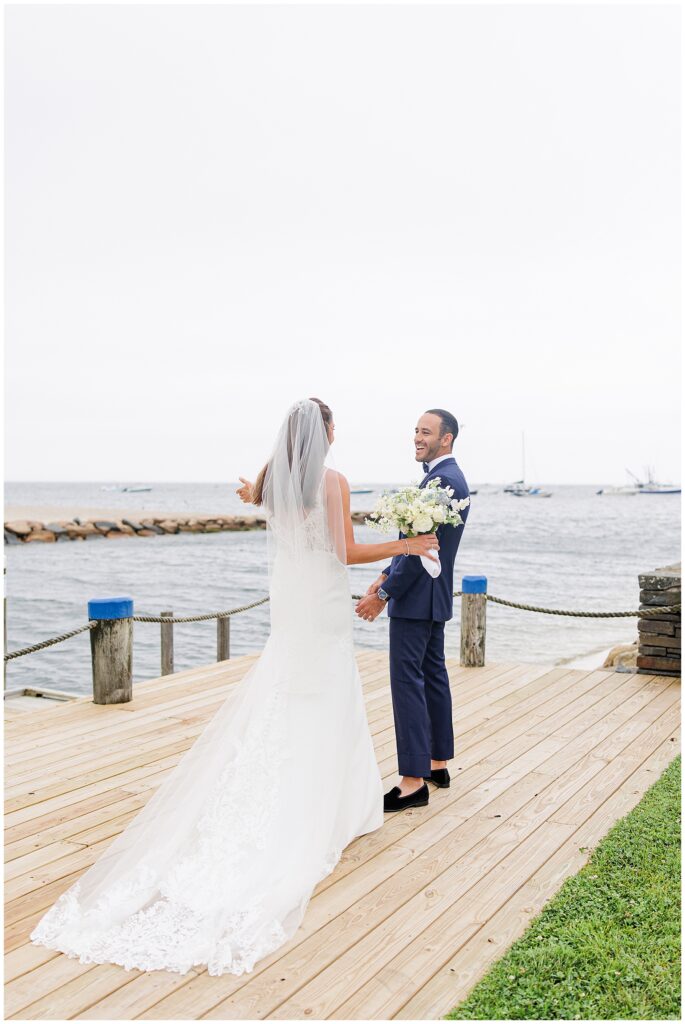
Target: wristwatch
[{"x": 382, "y": 594}]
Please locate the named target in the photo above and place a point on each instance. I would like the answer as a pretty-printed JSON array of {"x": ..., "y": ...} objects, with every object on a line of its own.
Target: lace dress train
[{"x": 219, "y": 866}]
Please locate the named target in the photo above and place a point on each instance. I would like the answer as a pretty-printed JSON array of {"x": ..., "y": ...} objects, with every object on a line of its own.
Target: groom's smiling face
[{"x": 428, "y": 442}]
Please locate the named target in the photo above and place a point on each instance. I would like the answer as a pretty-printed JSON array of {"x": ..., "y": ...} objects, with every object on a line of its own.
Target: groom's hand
[
  {"x": 373, "y": 589},
  {"x": 370, "y": 607}
]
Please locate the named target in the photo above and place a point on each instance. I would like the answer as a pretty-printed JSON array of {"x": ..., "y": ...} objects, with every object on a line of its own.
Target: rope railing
[
  {"x": 49, "y": 643},
  {"x": 654, "y": 612},
  {"x": 199, "y": 618},
  {"x": 641, "y": 613}
]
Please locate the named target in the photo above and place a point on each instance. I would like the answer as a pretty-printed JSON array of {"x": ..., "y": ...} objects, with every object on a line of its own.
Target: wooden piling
[
  {"x": 167, "y": 643},
  {"x": 111, "y": 647},
  {"x": 473, "y": 605},
  {"x": 4, "y": 625},
  {"x": 223, "y": 638}
]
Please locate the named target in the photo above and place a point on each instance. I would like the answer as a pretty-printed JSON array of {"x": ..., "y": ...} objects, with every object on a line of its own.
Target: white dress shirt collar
[{"x": 433, "y": 464}]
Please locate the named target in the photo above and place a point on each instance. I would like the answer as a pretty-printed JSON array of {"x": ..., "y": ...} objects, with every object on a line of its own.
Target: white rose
[
  {"x": 422, "y": 523},
  {"x": 439, "y": 514}
]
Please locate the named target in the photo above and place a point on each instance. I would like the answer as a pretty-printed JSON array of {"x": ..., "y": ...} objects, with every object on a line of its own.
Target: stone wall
[{"x": 659, "y": 636}]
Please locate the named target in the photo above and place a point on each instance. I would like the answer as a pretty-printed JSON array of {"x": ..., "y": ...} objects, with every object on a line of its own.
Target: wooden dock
[{"x": 414, "y": 914}]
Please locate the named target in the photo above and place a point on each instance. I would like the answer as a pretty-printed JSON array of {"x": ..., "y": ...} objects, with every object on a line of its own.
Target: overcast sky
[{"x": 212, "y": 211}]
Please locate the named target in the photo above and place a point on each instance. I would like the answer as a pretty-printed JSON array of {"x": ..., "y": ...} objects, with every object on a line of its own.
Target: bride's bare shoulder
[{"x": 335, "y": 479}]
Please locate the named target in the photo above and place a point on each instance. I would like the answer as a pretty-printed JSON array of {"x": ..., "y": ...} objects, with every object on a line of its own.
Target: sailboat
[{"x": 519, "y": 488}]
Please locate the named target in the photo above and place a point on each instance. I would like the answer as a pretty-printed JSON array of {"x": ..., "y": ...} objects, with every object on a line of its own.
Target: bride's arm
[{"x": 358, "y": 554}]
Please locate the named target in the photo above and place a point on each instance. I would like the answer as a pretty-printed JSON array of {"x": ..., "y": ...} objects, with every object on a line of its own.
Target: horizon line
[{"x": 377, "y": 483}]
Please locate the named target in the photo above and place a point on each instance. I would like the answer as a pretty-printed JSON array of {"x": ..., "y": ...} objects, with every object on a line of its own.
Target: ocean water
[{"x": 574, "y": 550}]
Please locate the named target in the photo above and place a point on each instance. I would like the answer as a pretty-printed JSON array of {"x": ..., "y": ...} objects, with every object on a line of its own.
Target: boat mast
[{"x": 523, "y": 457}]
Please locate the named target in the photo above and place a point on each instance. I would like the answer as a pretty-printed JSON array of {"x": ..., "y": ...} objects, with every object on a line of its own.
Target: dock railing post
[
  {"x": 167, "y": 641},
  {"x": 223, "y": 638},
  {"x": 659, "y": 640},
  {"x": 473, "y": 605},
  {"x": 111, "y": 648}
]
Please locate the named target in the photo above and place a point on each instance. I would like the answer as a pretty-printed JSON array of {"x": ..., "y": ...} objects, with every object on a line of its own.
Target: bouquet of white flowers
[{"x": 413, "y": 510}]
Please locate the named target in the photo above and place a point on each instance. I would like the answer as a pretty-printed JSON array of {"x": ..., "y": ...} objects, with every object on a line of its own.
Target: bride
[{"x": 218, "y": 868}]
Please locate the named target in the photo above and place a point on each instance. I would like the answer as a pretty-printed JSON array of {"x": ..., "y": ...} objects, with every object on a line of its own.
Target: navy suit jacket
[{"x": 413, "y": 593}]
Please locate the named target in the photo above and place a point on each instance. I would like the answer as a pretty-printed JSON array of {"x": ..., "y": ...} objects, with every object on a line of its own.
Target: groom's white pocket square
[{"x": 432, "y": 568}]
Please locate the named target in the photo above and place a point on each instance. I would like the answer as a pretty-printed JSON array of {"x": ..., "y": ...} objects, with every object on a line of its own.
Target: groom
[{"x": 418, "y": 607}]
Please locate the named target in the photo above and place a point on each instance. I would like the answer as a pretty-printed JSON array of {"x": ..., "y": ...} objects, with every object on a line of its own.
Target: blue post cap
[
  {"x": 474, "y": 585},
  {"x": 110, "y": 608}
]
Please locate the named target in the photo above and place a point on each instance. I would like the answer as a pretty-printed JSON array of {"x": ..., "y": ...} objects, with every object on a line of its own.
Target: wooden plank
[
  {"x": 17, "y": 932},
  {"x": 26, "y": 958},
  {"x": 154, "y": 748},
  {"x": 62, "y": 825},
  {"x": 84, "y": 711},
  {"x": 39, "y": 858},
  {"x": 518, "y": 718},
  {"x": 579, "y": 806},
  {"x": 366, "y": 838},
  {"x": 239, "y": 1008},
  {"x": 40, "y": 983},
  {"x": 59, "y": 868},
  {"x": 138, "y": 767},
  {"x": 512, "y": 747},
  {"x": 36, "y": 880},
  {"x": 129, "y": 725},
  {"x": 191, "y": 997},
  {"x": 452, "y": 983},
  {"x": 110, "y": 833},
  {"x": 81, "y": 988},
  {"x": 525, "y": 822},
  {"x": 325, "y": 992},
  {"x": 386, "y": 993},
  {"x": 492, "y": 709}
]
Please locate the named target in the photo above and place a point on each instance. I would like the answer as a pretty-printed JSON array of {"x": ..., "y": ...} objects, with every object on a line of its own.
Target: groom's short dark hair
[{"x": 448, "y": 422}]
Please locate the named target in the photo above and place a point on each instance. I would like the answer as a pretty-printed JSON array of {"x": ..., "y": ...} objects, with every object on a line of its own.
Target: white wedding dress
[{"x": 219, "y": 866}]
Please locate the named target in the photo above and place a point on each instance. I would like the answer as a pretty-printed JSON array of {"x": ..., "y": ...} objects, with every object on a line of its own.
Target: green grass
[{"x": 607, "y": 946}]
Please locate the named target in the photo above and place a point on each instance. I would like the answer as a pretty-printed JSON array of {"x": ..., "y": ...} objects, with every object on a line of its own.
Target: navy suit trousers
[{"x": 421, "y": 698}]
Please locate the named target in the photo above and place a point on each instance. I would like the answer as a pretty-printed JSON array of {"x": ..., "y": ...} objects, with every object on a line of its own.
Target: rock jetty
[
  {"x": 26, "y": 531},
  {"x": 29, "y": 530}
]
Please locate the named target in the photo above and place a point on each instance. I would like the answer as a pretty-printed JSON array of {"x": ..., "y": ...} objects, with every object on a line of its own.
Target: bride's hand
[
  {"x": 373, "y": 589},
  {"x": 245, "y": 492},
  {"x": 425, "y": 544}
]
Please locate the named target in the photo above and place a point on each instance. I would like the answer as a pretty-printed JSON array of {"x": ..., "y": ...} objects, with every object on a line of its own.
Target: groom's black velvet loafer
[
  {"x": 393, "y": 801},
  {"x": 440, "y": 777}
]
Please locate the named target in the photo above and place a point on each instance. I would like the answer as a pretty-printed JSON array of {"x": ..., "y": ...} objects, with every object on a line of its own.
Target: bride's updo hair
[
  {"x": 258, "y": 488},
  {"x": 326, "y": 414}
]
